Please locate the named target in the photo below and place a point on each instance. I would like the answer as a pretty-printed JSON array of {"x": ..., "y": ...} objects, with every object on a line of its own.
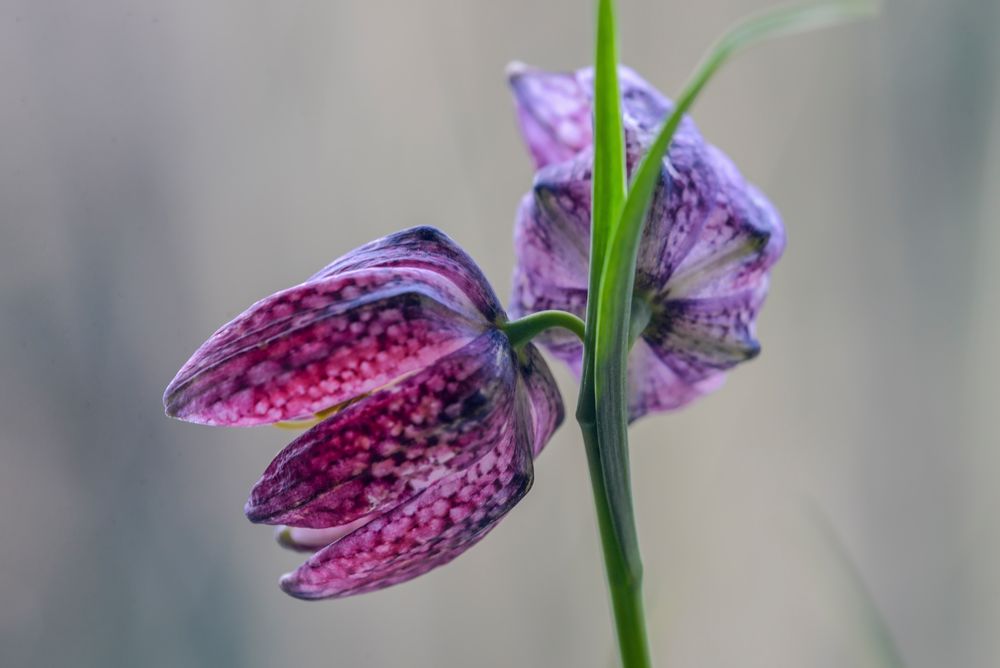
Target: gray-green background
[{"x": 163, "y": 163}]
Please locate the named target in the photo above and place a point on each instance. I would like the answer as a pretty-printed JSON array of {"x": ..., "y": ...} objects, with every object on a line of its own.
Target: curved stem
[{"x": 523, "y": 330}]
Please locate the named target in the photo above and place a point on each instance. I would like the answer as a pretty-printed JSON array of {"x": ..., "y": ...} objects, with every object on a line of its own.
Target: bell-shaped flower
[
  {"x": 707, "y": 246},
  {"x": 430, "y": 417}
]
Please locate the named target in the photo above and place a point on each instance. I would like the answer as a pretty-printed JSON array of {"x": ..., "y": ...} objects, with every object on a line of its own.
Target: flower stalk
[
  {"x": 607, "y": 460},
  {"x": 524, "y": 329},
  {"x": 624, "y": 572}
]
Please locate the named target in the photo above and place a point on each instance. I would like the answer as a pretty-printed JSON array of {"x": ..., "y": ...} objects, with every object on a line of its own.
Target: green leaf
[
  {"x": 614, "y": 297},
  {"x": 608, "y": 182},
  {"x": 609, "y": 176},
  {"x": 608, "y": 198}
]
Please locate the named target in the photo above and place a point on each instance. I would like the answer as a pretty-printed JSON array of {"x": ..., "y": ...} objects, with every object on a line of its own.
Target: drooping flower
[
  {"x": 431, "y": 418},
  {"x": 708, "y": 244}
]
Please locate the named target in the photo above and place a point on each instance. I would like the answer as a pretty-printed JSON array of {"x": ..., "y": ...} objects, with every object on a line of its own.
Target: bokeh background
[{"x": 163, "y": 163}]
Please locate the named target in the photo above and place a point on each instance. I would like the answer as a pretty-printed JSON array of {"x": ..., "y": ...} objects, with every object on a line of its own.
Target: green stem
[
  {"x": 523, "y": 330},
  {"x": 608, "y": 462},
  {"x": 624, "y": 575}
]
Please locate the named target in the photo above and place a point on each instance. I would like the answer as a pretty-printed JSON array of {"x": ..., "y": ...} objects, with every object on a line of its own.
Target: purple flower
[
  {"x": 707, "y": 246},
  {"x": 432, "y": 417}
]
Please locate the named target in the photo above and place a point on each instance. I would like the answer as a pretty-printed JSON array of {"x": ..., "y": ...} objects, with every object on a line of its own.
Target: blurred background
[{"x": 164, "y": 163}]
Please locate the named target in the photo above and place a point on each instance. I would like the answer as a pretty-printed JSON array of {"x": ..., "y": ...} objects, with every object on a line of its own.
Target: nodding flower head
[
  {"x": 429, "y": 418},
  {"x": 708, "y": 243}
]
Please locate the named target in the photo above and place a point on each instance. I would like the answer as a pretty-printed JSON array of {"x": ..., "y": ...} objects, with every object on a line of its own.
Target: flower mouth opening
[{"x": 309, "y": 540}]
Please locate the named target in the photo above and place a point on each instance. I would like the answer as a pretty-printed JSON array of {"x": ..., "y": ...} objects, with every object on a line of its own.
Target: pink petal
[
  {"x": 423, "y": 248},
  {"x": 741, "y": 240},
  {"x": 388, "y": 447},
  {"x": 654, "y": 386},
  {"x": 428, "y": 531},
  {"x": 544, "y": 403},
  {"x": 553, "y": 228},
  {"x": 319, "y": 344},
  {"x": 553, "y": 110},
  {"x": 698, "y": 337},
  {"x": 643, "y": 107},
  {"x": 552, "y": 261},
  {"x": 551, "y": 273},
  {"x": 681, "y": 207}
]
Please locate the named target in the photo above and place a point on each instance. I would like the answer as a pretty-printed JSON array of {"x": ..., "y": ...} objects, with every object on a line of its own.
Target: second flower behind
[{"x": 707, "y": 247}]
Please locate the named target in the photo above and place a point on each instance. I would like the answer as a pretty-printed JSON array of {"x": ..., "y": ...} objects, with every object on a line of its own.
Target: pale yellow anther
[{"x": 307, "y": 423}]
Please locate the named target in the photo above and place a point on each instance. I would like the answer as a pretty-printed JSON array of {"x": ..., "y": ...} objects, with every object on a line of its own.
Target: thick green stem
[
  {"x": 624, "y": 575},
  {"x": 608, "y": 460}
]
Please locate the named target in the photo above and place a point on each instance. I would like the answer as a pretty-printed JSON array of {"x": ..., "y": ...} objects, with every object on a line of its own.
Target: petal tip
[
  {"x": 171, "y": 405},
  {"x": 177, "y": 407},
  {"x": 180, "y": 403},
  {"x": 256, "y": 511},
  {"x": 170, "y": 409},
  {"x": 515, "y": 69},
  {"x": 426, "y": 233},
  {"x": 291, "y": 584}
]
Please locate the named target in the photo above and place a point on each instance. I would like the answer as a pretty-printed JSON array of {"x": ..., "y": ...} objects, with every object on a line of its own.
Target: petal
[
  {"x": 654, "y": 386},
  {"x": 562, "y": 190},
  {"x": 552, "y": 237},
  {"x": 311, "y": 347},
  {"x": 698, "y": 337},
  {"x": 388, "y": 447},
  {"x": 681, "y": 205},
  {"x": 643, "y": 107},
  {"x": 741, "y": 240},
  {"x": 704, "y": 316},
  {"x": 544, "y": 404},
  {"x": 551, "y": 273},
  {"x": 553, "y": 110},
  {"x": 428, "y": 531},
  {"x": 423, "y": 248}
]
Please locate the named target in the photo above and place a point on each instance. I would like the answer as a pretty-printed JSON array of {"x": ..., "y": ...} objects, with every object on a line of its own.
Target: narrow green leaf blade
[
  {"x": 609, "y": 178},
  {"x": 608, "y": 182}
]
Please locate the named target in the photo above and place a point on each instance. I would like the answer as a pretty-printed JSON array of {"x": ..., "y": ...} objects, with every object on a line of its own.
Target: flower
[
  {"x": 431, "y": 418},
  {"x": 706, "y": 250}
]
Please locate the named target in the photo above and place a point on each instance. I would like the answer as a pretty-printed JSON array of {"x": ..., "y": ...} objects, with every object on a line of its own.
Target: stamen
[{"x": 308, "y": 423}]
